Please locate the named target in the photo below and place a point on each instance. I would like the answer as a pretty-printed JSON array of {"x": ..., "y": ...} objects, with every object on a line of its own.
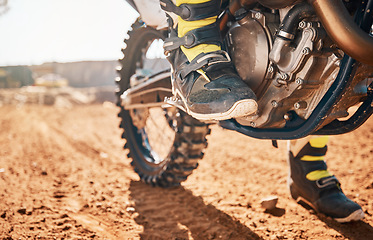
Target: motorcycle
[{"x": 310, "y": 64}]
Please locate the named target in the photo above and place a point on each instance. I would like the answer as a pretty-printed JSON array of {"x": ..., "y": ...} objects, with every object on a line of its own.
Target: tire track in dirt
[
  {"x": 85, "y": 212},
  {"x": 82, "y": 213},
  {"x": 97, "y": 225}
]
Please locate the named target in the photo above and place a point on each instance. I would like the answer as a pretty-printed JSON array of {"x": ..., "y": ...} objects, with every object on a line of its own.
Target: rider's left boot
[{"x": 310, "y": 182}]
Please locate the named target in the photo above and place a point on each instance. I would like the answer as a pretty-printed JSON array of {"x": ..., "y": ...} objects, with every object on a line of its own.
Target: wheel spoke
[{"x": 160, "y": 135}]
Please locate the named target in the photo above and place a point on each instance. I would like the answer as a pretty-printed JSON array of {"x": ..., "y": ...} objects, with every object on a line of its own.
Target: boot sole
[
  {"x": 354, "y": 216},
  {"x": 239, "y": 109}
]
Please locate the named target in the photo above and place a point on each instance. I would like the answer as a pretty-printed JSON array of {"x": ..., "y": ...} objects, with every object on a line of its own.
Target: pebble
[
  {"x": 22, "y": 210},
  {"x": 269, "y": 202},
  {"x": 130, "y": 209}
]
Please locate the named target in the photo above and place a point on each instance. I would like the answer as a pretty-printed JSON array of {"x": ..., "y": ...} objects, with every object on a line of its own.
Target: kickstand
[{"x": 274, "y": 143}]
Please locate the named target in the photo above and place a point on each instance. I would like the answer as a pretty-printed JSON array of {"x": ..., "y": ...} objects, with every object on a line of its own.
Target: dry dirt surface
[{"x": 64, "y": 175}]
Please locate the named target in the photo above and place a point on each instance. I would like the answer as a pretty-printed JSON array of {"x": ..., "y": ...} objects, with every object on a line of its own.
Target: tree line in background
[{"x": 77, "y": 74}]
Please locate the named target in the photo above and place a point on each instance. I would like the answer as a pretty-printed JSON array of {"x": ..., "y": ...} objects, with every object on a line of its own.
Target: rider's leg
[
  {"x": 204, "y": 78},
  {"x": 311, "y": 182}
]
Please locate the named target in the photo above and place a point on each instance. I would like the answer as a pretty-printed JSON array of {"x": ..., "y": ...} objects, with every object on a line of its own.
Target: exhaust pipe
[{"x": 343, "y": 30}]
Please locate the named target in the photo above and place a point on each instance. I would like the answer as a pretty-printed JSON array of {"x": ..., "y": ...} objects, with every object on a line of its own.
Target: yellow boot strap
[
  {"x": 312, "y": 158},
  {"x": 318, "y": 174},
  {"x": 319, "y": 142},
  {"x": 186, "y": 26}
]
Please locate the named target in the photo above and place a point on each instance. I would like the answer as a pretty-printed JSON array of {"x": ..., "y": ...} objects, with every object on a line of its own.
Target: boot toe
[
  {"x": 224, "y": 98},
  {"x": 223, "y": 108},
  {"x": 339, "y": 207}
]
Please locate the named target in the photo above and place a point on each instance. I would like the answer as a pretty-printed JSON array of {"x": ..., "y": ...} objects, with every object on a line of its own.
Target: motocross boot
[
  {"x": 204, "y": 80},
  {"x": 311, "y": 183}
]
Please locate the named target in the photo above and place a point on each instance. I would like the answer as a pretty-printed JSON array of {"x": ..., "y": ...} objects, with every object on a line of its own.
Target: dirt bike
[{"x": 310, "y": 64}]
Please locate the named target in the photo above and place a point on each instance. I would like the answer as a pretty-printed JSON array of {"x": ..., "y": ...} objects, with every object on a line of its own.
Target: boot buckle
[{"x": 328, "y": 181}]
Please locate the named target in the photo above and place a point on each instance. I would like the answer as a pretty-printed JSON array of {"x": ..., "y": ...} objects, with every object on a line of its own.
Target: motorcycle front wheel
[{"x": 164, "y": 143}]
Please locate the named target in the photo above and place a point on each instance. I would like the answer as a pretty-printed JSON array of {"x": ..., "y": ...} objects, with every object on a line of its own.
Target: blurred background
[{"x": 61, "y": 43}]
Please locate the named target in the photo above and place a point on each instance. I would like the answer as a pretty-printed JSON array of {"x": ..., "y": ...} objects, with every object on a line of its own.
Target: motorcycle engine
[
  {"x": 249, "y": 41},
  {"x": 287, "y": 76}
]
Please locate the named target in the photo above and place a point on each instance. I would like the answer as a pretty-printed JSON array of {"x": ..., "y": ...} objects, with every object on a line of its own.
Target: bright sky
[{"x": 37, "y": 31}]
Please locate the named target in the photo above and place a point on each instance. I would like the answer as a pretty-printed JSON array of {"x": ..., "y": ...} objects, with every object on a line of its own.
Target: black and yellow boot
[
  {"x": 310, "y": 182},
  {"x": 204, "y": 79}
]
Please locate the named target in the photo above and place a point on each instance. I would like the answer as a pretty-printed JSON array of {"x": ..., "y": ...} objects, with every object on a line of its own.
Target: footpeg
[{"x": 176, "y": 102}]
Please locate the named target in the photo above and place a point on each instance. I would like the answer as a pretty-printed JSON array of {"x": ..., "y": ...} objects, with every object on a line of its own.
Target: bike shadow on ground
[
  {"x": 357, "y": 230},
  {"x": 176, "y": 213}
]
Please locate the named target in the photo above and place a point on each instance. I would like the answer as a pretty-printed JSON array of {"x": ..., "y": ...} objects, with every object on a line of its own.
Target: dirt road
[{"x": 64, "y": 175}]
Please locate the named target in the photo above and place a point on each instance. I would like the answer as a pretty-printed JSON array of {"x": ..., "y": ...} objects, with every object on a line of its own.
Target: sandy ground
[{"x": 64, "y": 175}]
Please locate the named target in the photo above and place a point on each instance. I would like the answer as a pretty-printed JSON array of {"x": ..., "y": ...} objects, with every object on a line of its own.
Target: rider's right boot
[{"x": 204, "y": 79}]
